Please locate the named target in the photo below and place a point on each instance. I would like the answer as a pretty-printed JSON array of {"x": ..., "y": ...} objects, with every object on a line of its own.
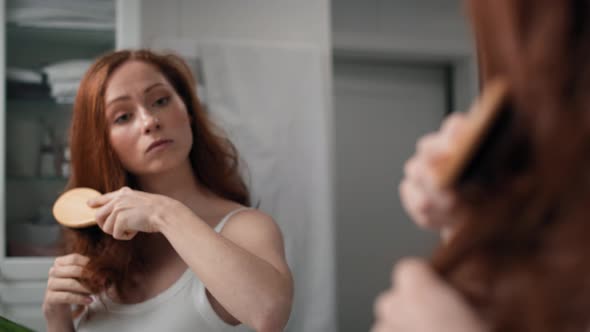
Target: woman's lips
[{"x": 158, "y": 144}]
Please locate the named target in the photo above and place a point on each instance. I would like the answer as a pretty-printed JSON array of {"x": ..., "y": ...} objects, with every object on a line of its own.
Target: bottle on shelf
[{"x": 51, "y": 156}]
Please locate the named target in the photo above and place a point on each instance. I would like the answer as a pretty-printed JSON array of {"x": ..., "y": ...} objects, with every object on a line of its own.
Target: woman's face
[{"x": 149, "y": 126}]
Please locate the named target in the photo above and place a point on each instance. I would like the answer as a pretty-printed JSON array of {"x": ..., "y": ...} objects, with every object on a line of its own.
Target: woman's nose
[{"x": 150, "y": 123}]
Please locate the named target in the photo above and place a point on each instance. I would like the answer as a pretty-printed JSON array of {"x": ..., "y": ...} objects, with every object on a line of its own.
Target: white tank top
[{"x": 182, "y": 307}]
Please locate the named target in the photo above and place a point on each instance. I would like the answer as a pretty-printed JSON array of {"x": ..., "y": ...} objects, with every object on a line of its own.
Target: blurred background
[{"x": 324, "y": 100}]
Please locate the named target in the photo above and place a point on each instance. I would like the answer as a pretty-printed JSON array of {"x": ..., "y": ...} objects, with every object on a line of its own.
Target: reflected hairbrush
[{"x": 71, "y": 210}]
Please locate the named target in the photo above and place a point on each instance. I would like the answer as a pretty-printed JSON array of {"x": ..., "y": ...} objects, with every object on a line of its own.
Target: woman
[
  {"x": 176, "y": 248},
  {"x": 516, "y": 255}
]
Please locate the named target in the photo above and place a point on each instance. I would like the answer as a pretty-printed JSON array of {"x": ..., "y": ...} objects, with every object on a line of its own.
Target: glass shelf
[
  {"x": 36, "y": 179},
  {"x": 33, "y": 48},
  {"x": 52, "y": 35},
  {"x": 36, "y": 107}
]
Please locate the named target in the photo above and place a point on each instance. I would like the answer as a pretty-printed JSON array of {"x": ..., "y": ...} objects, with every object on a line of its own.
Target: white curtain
[{"x": 272, "y": 101}]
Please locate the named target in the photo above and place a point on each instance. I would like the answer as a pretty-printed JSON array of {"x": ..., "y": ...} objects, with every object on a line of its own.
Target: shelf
[
  {"x": 36, "y": 179},
  {"x": 33, "y": 48},
  {"x": 36, "y": 106},
  {"x": 60, "y": 35}
]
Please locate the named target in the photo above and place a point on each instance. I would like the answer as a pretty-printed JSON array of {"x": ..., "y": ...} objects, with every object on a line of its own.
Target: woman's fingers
[
  {"x": 429, "y": 205},
  {"x": 415, "y": 201},
  {"x": 66, "y": 271},
  {"x": 71, "y": 259},
  {"x": 67, "y": 298},
  {"x": 64, "y": 288},
  {"x": 104, "y": 213},
  {"x": 454, "y": 123},
  {"x": 67, "y": 285}
]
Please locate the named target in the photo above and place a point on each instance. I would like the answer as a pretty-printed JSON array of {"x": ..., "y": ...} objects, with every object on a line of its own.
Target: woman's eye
[
  {"x": 122, "y": 118},
  {"x": 162, "y": 101}
]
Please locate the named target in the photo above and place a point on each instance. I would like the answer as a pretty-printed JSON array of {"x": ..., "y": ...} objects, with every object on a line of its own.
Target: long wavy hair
[
  {"x": 94, "y": 163},
  {"x": 520, "y": 254}
]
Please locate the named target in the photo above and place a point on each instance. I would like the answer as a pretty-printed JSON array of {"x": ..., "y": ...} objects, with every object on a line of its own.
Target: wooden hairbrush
[
  {"x": 71, "y": 210},
  {"x": 478, "y": 123}
]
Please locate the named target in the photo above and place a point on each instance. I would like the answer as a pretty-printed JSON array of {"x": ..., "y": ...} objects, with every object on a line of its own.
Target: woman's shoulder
[
  {"x": 246, "y": 223},
  {"x": 243, "y": 216}
]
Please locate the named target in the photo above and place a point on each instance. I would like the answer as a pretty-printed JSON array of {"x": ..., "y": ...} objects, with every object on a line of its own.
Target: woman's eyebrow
[
  {"x": 126, "y": 97},
  {"x": 120, "y": 98},
  {"x": 152, "y": 86}
]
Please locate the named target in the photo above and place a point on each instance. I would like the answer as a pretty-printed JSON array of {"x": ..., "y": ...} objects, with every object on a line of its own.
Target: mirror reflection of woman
[
  {"x": 177, "y": 247},
  {"x": 517, "y": 229}
]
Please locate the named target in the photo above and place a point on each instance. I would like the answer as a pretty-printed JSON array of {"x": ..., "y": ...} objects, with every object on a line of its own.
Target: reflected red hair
[
  {"x": 521, "y": 252},
  {"x": 95, "y": 165}
]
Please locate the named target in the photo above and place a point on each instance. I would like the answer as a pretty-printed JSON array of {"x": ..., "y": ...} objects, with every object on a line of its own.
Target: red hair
[
  {"x": 520, "y": 253},
  {"x": 95, "y": 165}
]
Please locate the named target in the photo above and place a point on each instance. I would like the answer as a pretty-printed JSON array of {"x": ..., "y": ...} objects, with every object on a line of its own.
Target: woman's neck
[{"x": 180, "y": 184}]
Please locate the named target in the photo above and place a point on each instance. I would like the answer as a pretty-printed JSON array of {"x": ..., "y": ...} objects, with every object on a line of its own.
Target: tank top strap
[{"x": 228, "y": 216}]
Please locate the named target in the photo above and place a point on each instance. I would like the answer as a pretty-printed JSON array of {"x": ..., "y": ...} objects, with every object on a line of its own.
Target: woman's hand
[
  {"x": 125, "y": 212},
  {"x": 419, "y": 301},
  {"x": 428, "y": 205},
  {"x": 64, "y": 290}
]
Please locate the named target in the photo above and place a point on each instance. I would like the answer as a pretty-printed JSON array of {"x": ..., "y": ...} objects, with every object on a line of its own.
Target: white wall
[
  {"x": 291, "y": 21},
  {"x": 409, "y": 30},
  {"x": 422, "y": 27}
]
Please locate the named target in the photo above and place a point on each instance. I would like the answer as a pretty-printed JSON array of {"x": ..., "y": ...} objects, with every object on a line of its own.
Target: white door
[{"x": 380, "y": 111}]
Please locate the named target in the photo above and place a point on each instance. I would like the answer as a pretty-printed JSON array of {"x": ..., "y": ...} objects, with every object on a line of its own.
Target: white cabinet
[{"x": 46, "y": 48}]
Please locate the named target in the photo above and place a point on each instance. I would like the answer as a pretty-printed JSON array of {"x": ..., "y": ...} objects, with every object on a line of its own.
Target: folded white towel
[
  {"x": 69, "y": 99},
  {"x": 64, "y": 88},
  {"x": 67, "y": 70},
  {"x": 23, "y": 75}
]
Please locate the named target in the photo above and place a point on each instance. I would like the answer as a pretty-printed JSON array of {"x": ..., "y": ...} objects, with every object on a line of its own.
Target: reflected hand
[
  {"x": 125, "y": 212},
  {"x": 419, "y": 301},
  {"x": 64, "y": 289}
]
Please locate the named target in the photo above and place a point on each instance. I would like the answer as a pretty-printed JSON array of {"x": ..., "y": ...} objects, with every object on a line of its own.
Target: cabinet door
[
  {"x": 41, "y": 62},
  {"x": 45, "y": 53},
  {"x": 48, "y": 46}
]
